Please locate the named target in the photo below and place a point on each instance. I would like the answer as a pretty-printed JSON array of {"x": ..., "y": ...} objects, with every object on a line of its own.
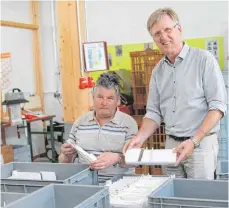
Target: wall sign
[{"x": 95, "y": 56}]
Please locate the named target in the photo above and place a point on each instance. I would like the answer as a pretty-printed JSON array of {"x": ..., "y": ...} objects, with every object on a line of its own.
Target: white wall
[
  {"x": 50, "y": 63},
  {"x": 19, "y": 43},
  {"x": 16, "y": 42},
  {"x": 123, "y": 22}
]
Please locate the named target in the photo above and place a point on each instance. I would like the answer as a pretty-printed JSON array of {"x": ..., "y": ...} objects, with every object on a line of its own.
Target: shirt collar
[
  {"x": 184, "y": 51},
  {"x": 182, "y": 54},
  {"x": 117, "y": 117},
  {"x": 91, "y": 115}
]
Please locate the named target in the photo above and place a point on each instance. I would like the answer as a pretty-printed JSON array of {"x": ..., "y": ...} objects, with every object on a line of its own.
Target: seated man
[{"x": 104, "y": 131}]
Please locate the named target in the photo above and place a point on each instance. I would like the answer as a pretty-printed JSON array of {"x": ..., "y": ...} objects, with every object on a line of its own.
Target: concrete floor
[{"x": 42, "y": 159}]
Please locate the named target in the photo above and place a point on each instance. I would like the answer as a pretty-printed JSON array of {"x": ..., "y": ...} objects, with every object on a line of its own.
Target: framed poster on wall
[{"x": 95, "y": 56}]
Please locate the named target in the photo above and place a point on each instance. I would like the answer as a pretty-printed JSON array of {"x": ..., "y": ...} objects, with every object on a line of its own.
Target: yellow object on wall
[
  {"x": 123, "y": 63},
  {"x": 201, "y": 43}
]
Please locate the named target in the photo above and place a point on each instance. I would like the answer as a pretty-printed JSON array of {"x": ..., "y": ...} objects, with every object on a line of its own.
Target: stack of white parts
[
  {"x": 150, "y": 157},
  {"x": 42, "y": 175},
  {"x": 87, "y": 157},
  {"x": 133, "y": 191}
]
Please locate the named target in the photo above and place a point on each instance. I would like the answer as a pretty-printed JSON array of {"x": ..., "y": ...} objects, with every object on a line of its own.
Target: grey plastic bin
[
  {"x": 222, "y": 170},
  {"x": 65, "y": 196},
  {"x": 187, "y": 193},
  {"x": 21, "y": 153},
  {"x": 65, "y": 173},
  {"x": 6, "y": 186},
  {"x": 7, "y": 198}
]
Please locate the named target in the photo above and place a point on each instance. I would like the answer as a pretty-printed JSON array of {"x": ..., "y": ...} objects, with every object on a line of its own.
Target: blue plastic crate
[
  {"x": 223, "y": 139},
  {"x": 21, "y": 153},
  {"x": 7, "y": 198},
  {"x": 187, "y": 193},
  {"x": 222, "y": 170},
  {"x": 65, "y": 173},
  {"x": 65, "y": 196}
]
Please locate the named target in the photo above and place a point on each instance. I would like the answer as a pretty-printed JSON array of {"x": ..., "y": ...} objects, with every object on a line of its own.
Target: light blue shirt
[{"x": 181, "y": 94}]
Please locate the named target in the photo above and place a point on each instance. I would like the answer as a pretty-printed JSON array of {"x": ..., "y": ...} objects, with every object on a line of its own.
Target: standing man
[
  {"x": 187, "y": 92},
  {"x": 104, "y": 131}
]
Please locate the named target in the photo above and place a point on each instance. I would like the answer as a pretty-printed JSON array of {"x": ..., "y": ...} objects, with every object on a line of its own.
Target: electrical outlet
[{"x": 57, "y": 95}]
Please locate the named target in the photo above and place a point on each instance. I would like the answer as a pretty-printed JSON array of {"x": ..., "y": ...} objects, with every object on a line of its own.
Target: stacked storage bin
[
  {"x": 65, "y": 173},
  {"x": 157, "y": 141},
  {"x": 223, "y": 139},
  {"x": 222, "y": 170},
  {"x": 7, "y": 198},
  {"x": 142, "y": 169},
  {"x": 142, "y": 63},
  {"x": 21, "y": 153},
  {"x": 222, "y": 166},
  {"x": 65, "y": 196},
  {"x": 63, "y": 191},
  {"x": 187, "y": 193}
]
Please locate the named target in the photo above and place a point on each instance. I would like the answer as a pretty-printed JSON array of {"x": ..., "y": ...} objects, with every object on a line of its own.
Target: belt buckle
[{"x": 176, "y": 138}]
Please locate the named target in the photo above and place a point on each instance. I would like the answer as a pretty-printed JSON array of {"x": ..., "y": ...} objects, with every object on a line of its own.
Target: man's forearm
[
  {"x": 147, "y": 129},
  {"x": 64, "y": 159},
  {"x": 211, "y": 119}
]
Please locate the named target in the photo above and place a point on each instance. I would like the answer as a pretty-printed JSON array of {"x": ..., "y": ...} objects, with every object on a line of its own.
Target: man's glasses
[{"x": 167, "y": 31}]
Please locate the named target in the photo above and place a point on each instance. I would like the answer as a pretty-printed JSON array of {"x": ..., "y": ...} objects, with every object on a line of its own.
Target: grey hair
[
  {"x": 108, "y": 80},
  {"x": 156, "y": 15}
]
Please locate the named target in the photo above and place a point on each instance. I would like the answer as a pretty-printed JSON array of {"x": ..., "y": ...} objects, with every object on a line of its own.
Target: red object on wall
[
  {"x": 90, "y": 82},
  {"x": 83, "y": 83}
]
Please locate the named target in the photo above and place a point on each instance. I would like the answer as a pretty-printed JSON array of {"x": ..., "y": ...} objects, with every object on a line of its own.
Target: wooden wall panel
[
  {"x": 18, "y": 25},
  {"x": 82, "y": 20},
  {"x": 75, "y": 100},
  {"x": 37, "y": 53}
]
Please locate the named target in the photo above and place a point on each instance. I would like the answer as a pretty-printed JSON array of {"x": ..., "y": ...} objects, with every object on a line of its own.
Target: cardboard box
[{"x": 7, "y": 153}]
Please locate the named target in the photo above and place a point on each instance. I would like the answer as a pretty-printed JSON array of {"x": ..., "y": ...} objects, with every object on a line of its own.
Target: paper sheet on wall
[{"x": 6, "y": 71}]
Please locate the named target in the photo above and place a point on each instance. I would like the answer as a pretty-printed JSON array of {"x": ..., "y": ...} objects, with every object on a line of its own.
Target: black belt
[{"x": 180, "y": 139}]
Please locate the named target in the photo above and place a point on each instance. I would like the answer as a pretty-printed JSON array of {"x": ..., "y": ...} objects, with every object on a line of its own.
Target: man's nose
[
  {"x": 104, "y": 102},
  {"x": 163, "y": 35}
]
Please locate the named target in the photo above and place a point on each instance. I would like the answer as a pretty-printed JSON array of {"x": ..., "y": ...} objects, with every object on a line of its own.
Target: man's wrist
[
  {"x": 196, "y": 143},
  {"x": 119, "y": 160},
  {"x": 141, "y": 137},
  {"x": 66, "y": 159}
]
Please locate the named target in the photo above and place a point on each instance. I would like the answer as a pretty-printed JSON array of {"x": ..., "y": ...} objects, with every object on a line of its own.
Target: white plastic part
[
  {"x": 133, "y": 191},
  {"x": 88, "y": 157},
  {"x": 150, "y": 157}
]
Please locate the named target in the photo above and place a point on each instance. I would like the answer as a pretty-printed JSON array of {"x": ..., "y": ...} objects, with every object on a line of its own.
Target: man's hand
[
  {"x": 135, "y": 142},
  {"x": 105, "y": 160},
  {"x": 67, "y": 153},
  {"x": 67, "y": 150},
  {"x": 184, "y": 150}
]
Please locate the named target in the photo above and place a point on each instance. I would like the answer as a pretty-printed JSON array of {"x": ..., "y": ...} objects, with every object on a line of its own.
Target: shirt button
[
  {"x": 174, "y": 67},
  {"x": 173, "y": 112},
  {"x": 174, "y": 96},
  {"x": 174, "y": 81}
]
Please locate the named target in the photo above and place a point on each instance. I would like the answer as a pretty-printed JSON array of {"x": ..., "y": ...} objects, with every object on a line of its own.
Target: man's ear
[{"x": 179, "y": 27}]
